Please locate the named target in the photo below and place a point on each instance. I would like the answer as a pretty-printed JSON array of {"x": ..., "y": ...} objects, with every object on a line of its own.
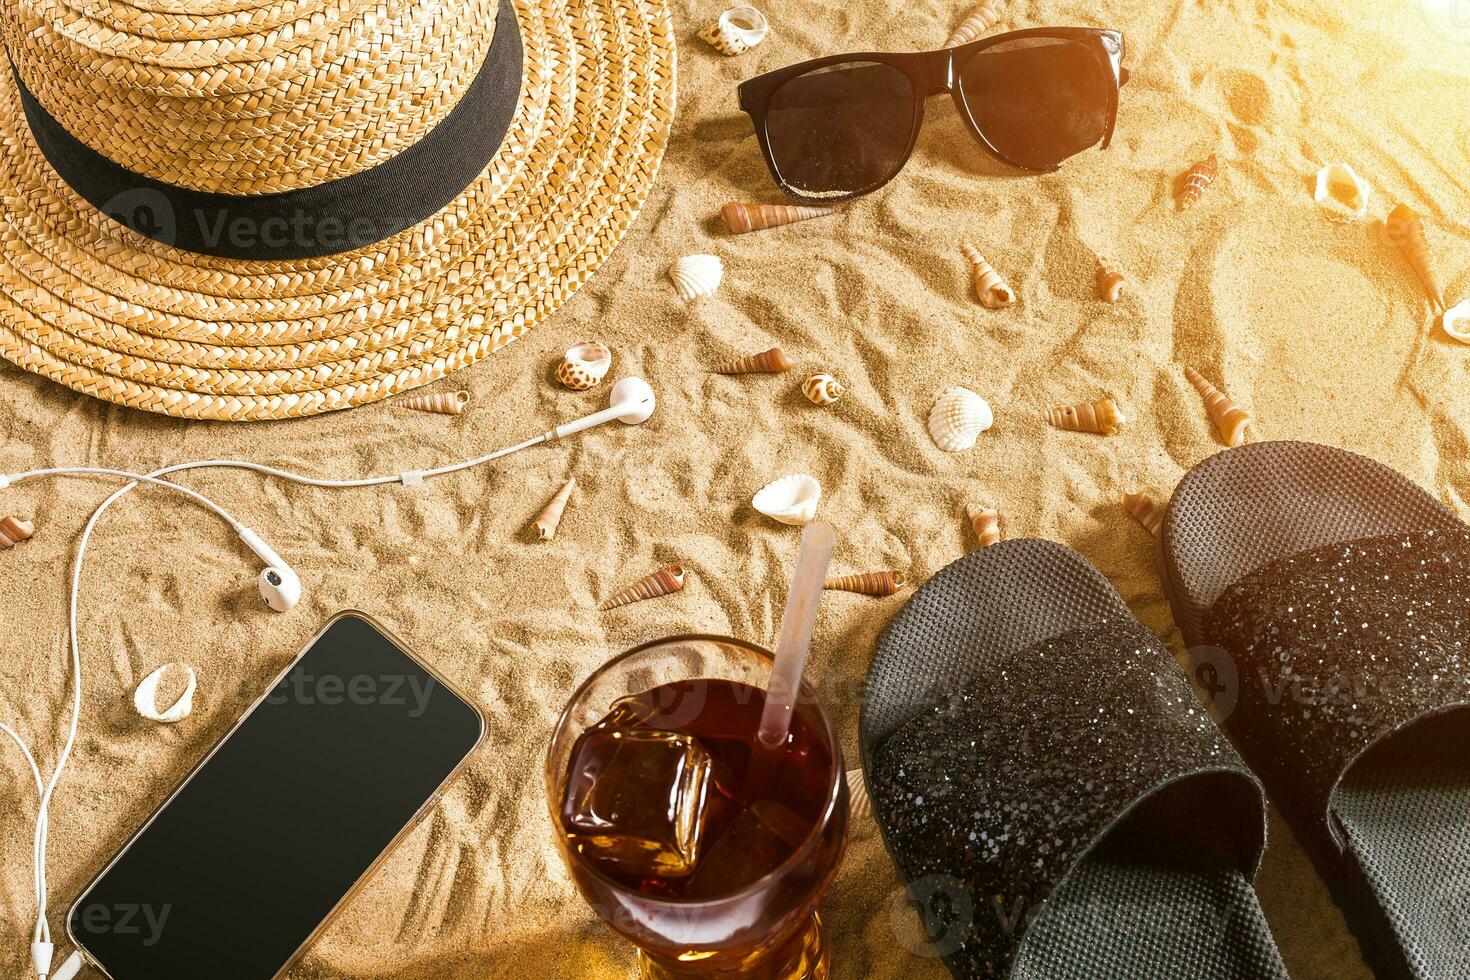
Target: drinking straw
[{"x": 817, "y": 541}]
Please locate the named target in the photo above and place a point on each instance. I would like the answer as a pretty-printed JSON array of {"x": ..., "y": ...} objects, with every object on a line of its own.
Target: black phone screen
[{"x": 257, "y": 847}]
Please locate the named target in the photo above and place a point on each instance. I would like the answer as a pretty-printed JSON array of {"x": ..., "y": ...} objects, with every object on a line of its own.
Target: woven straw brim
[{"x": 104, "y": 311}]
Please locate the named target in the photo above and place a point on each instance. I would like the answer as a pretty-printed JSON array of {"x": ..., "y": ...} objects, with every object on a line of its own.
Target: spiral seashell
[
  {"x": 791, "y": 499},
  {"x": 442, "y": 402},
  {"x": 1140, "y": 506},
  {"x": 737, "y": 31},
  {"x": 13, "y": 531},
  {"x": 584, "y": 365},
  {"x": 741, "y": 218},
  {"x": 771, "y": 361},
  {"x": 1456, "y": 321},
  {"x": 1101, "y": 416},
  {"x": 957, "y": 419},
  {"x": 1199, "y": 177},
  {"x": 550, "y": 517},
  {"x": 985, "y": 522},
  {"x": 145, "y": 696},
  {"x": 1406, "y": 230},
  {"x": 665, "y": 581},
  {"x": 822, "y": 389},
  {"x": 990, "y": 288},
  {"x": 859, "y": 804},
  {"x": 1230, "y": 419},
  {"x": 867, "y": 583},
  {"x": 1342, "y": 193},
  {"x": 1109, "y": 282},
  {"x": 696, "y": 275},
  {"x": 976, "y": 23}
]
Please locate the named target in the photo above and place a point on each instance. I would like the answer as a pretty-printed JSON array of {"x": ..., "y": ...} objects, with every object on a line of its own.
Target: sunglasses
[{"x": 838, "y": 127}]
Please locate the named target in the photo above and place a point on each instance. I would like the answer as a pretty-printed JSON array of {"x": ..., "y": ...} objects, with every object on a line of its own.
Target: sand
[{"x": 1319, "y": 329}]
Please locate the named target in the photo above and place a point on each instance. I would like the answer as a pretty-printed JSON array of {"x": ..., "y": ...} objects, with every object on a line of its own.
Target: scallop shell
[
  {"x": 791, "y": 499},
  {"x": 741, "y": 218},
  {"x": 957, "y": 419},
  {"x": 1230, "y": 419},
  {"x": 1456, "y": 321},
  {"x": 1109, "y": 282},
  {"x": 976, "y": 23},
  {"x": 868, "y": 583},
  {"x": 859, "y": 804},
  {"x": 1342, "y": 193},
  {"x": 1406, "y": 230},
  {"x": 737, "y": 30},
  {"x": 145, "y": 696},
  {"x": 990, "y": 288},
  {"x": 696, "y": 275},
  {"x": 822, "y": 389},
  {"x": 1140, "y": 506},
  {"x": 442, "y": 402},
  {"x": 771, "y": 361},
  {"x": 985, "y": 522},
  {"x": 550, "y": 517},
  {"x": 1101, "y": 416},
  {"x": 1199, "y": 177},
  {"x": 13, "y": 531},
  {"x": 584, "y": 365},
  {"x": 665, "y": 581}
]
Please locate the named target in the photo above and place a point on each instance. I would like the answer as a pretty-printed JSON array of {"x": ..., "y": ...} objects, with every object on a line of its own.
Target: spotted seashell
[
  {"x": 791, "y": 499},
  {"x": 822, "y": 389},
  {"x": 146, "y": 696},
  {"x": 584, "y": 365},
  {"x": 957, "y": 419},
  {"x": 1230, "y": 419},
  {"x": 1341, "y": 192},
  {"x": 697, "y": 275},
  {"x": 737, "y": 30},
  {"x": 665, "y": 581},
  {"x": 13, "y": 531}
]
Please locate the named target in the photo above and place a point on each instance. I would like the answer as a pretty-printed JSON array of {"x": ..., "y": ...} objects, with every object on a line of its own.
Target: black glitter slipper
[
  {"x": 1326, "y": 600},
  {"x": 1050, "y": 788}
]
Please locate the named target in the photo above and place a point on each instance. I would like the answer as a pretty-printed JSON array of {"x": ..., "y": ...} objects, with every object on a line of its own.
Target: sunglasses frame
[{"x": 930, "y": 73}]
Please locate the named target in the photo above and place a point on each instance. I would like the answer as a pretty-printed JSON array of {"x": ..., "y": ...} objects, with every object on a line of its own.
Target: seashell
[
  {"x": 957, "y": 419},
  {"x": 1199, "y": 177},
  {"x": 991, "y": 289},
  {"x": 737, "y": 31},
  {"x": 1140, "y": 506},
  {"x": 1406, "y": 230},
  {"x": 1342, "y": 193},
  {"x": 442, "y": 402},
  {"x": 665, "y": 581},
  {"x": 13, "y": 531},
  {"x": 868, "y": 583},
  {"x": 1456, "y": 321},
  {"x": 1101, "y": 416},
  {"x": 550, "y": 516},
  {"x": 986, "y": 523},
  {"x": 1109, "y": 282},
  {"x": 696, "y": 275},
  {"x": 145, "y": 696},
  {"x": 1229, "y": 418},
  {"x": 859, "y": 804},
  {"x": 976, "y": 23},
  {"x": 791, "y": 499},
  {"x": 822, "y": 389},
  {"x": 584, "y": 365},
  {"x": 766, "y": 362},
  {"x": 741, "y": 218}
]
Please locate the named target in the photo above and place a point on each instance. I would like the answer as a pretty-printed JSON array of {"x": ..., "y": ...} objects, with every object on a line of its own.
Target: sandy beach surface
[{"x": 1318, "y": 328}]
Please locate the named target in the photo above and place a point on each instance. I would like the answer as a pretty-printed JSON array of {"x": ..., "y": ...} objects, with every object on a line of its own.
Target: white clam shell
[
  {"x": 791, "y": 500},
  {"x": 957, "y": 419},
  {"x": 1456, "y": 321},
  {"x": 738, "y": 30},
  {"x": 697, "y": 275},
  {"x": 145, "y": 697},
  {"x": 1342, "y": 193},
  {"x": 584, "y": 365}
]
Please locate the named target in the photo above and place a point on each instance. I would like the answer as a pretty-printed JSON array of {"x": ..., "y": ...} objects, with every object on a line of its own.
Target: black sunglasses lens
[
  {"x": 843, "y": 129},
  {"x": 1039, "y": 100}
]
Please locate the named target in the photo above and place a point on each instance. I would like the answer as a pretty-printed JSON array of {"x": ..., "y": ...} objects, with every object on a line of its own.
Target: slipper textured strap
[
  {"x": 1335, "y": 648},
  {"x": 995, "y": 795}
]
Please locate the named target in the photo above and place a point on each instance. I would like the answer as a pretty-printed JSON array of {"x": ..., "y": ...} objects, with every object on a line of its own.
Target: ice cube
[{"x": 757, "y": 842}]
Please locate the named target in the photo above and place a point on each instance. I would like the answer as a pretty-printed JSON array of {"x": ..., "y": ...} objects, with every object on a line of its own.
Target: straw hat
[{"x": 252, "y": 209}]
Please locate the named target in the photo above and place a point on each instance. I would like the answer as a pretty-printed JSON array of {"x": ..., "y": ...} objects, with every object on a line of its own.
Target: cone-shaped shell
[
  {"x": 1199, "y": 177},
  {"x": 666, "y": 580},
  {"x": 985, "y": 522},
  {"x": 1456, "y": 321},
  {"x": 442, "y": 402},
  {"x": 1140, "y": 506},
  {"x": 766, "y": 362},
  {"x": 867, "y": 583},
  {"x": 736, "y": 31},
  {"x": 990, "y": 288},
  {"x": 1109, "y": 282},
  {"x": 146, "y": 699},
  {"x": 741, "y": 218},
  {"x": 1342, "y": 194},
  {"x": 1101, "y": 416},
  {"x": 13, "y": 531},
  {"x": 859, "y": 805},
  {"x": 550, "y": 517},
  {"x": 822, "y": 389},
  {"x": 1230, "y": 419},
  {"x": 1406, "y": 230},
  {"x": 584, "y": 365},
  {"x": 696, "y": 275},
  {"x": 791, "y": 499},
  {"x": 979, "y": 20},
  {"x": 957, "y": 419}
]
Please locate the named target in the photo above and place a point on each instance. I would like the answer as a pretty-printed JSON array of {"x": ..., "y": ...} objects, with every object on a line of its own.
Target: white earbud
[
  {"x": 279, "y": 586},
  {"x": 632, "y": 402}
]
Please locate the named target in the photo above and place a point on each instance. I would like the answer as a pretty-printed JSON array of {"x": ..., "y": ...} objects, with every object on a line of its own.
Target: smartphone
[{"x": 251, "y": 855}]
